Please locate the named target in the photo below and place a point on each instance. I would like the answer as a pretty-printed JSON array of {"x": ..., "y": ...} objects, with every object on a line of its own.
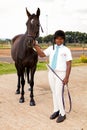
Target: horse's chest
[{"x": 30, "y": 60}]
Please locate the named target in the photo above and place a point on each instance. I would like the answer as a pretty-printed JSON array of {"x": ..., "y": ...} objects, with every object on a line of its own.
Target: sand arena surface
[
  {"x": 7, "y": 52},
  {"x": 16, "y": 116}
]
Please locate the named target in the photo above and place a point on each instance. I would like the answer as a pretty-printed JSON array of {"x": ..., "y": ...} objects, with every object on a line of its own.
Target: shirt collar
[{"x": 60, "y": 45}]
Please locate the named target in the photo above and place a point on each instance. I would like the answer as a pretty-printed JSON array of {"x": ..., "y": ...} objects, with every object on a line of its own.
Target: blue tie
[{"x": 54, "y": 60}]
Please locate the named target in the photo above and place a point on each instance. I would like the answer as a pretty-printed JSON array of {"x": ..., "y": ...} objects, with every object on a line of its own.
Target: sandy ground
[
  {"x": 16, "y": 116},
  {"x": 7, "y": 52}
]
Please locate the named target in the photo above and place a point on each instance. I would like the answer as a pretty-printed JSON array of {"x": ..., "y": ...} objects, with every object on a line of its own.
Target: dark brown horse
[{"x": 24, "y": 56}]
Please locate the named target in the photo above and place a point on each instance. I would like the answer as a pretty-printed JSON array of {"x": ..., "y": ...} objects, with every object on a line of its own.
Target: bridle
[
  {"x": 31, "y": 36},
  {"x": 41, "y": 29}
]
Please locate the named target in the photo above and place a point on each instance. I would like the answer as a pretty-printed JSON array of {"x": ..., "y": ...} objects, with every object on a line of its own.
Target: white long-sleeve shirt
[{"x": 64, "y": 55}]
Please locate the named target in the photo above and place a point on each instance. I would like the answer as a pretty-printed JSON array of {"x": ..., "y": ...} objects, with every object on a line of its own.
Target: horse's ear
[
  {"x": 38, "y": 12},
  {"x": 28, "y": 14}
]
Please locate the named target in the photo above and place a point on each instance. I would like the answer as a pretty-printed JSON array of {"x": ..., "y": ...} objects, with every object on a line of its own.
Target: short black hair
[{"x": 59, "y": 33}]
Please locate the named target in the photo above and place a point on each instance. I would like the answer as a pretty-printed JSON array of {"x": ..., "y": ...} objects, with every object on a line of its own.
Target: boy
[{"x": 60, "y": 61}]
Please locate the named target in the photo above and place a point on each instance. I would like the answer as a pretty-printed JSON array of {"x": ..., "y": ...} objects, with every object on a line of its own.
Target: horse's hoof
[
  {"x": 21, "y": 100},
  {"x": 32, "y": 103},
  {"x": 29, "y": 89},
  {"x": 17, "y": 92}
]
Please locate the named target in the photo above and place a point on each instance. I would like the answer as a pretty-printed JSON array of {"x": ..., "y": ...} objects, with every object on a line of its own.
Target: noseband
[
  {"x": 28, "y": 35},
  {"x": 31, "y": 36}
]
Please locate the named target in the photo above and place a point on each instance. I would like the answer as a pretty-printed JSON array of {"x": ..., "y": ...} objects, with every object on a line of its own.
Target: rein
[
  {"x": 41, "y": 29},
  {"x": 70, "y": 102}
]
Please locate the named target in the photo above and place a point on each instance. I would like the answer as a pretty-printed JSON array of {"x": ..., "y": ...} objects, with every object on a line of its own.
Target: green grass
[
  {"x": 7, "y": 46},
  {"x": 6, "y": 68},
  {"x": 78, "y": 62},
  {"x": 41, "y": 66}
]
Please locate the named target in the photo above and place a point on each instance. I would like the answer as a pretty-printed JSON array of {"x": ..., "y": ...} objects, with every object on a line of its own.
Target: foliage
[
  {"x": 5, "y": 43},
  {"x": 76, "y": 62},
  {"x": 71, "y": 37},
  {"x": 83, "y": 59},
  {"x": 40, "y": 39},
  {"x": 48, "y": 38},
  {"x": 76, "y": 37}
]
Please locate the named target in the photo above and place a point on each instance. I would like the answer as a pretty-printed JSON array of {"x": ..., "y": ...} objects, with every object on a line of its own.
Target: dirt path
[
  {"x": 5, "y": 52},
  {"x": 15, "y": 116},
  {"x": 76, "y": 52}
]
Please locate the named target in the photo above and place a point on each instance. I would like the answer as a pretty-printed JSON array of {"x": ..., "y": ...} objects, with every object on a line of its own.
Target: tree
[
  {"x": 48, "y": 38},
  {"x": 40, "y": 39}
]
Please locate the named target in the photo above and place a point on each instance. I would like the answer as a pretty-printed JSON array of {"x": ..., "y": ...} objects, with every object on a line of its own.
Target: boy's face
[{"x": 59, "y": 40}]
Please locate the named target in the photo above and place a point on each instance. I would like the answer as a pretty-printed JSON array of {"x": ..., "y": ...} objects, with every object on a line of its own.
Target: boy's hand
[
  {"x": 35, "y": 43},
  {"x": 38, "y": 49},
  {"x": 65, "y": 80}
]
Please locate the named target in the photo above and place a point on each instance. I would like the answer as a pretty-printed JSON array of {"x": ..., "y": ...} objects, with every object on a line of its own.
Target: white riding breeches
[{"x": 56, "y": 88}]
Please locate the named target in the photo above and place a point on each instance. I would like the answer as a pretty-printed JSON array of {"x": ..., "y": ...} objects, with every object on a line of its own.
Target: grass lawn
[
  {"x": 6, "y": 68},
  {"x": 77, "y": 62}
]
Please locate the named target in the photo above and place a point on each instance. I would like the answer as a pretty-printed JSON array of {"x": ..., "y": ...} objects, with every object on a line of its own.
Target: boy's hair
[{"x": 59, "y": 33}]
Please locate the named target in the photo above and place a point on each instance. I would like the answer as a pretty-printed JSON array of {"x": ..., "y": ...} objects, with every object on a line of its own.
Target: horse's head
[
  {"x": 33, "y": 24},
  {"x": 32, "y": 27}
]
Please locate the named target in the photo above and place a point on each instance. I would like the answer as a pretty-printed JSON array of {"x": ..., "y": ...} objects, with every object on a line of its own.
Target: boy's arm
[
  {"x": 39, "y": 50},
  {"x": 68, "y": 70}
]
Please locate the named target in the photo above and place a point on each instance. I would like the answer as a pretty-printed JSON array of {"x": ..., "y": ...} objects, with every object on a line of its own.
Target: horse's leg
[
  {"x": 28, "y": 77},
  {"x": 22, "y": 91},
  {"x": 18, "y": 74},
  {"x": 18, "y": 86},
  {"x": 32, "y": 102}
]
